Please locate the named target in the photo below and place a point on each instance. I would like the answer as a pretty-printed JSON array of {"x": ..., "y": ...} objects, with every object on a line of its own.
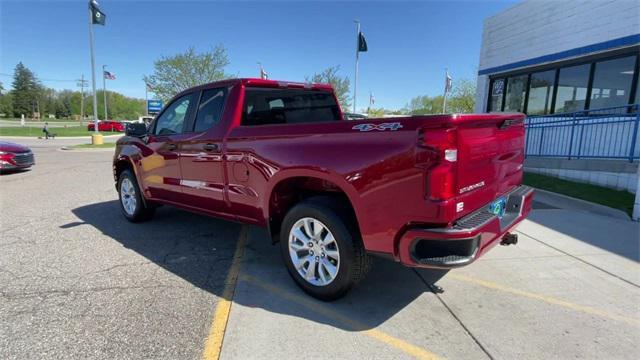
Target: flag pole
[
  {"x": 93, "y": 73},
  {"x": 146, "y": 98},
  {"x": 355, "y": 83},
  {"x": 104, "y": 92},
  {"x": 444, "y": 101}
]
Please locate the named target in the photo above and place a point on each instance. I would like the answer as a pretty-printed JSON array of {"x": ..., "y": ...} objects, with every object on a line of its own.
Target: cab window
[
  {"x": 172, "y": 120},
  {"x": 210, "y": 109}
]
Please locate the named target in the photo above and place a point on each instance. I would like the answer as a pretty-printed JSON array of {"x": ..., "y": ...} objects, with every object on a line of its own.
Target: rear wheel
[
  {"x": 322, "y": 248},
  {"x": 131, "y": 203}
]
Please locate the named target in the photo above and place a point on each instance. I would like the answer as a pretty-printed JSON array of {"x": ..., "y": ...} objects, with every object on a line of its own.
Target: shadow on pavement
[
  {"x": 613, "y": 235},
  {"x": 200, "y": 250}
]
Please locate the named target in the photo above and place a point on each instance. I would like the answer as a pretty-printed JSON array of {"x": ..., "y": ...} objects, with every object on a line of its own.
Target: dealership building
[{"x": 572, "y": 67}]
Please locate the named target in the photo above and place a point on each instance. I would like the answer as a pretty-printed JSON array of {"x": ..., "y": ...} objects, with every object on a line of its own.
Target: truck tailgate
[{"x": 490, "y": 157}]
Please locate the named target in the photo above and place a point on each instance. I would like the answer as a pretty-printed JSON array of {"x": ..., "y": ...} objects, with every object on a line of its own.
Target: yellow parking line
[
  {"x": 544, "y": 298},
  {"x": 399, "y": 344},
  {"x": 213, "y": 344}
]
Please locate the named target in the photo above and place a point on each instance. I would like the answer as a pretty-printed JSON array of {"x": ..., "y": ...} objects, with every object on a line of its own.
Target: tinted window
[
  {"x": 612, "y": 82},
  {"x": 264, "y": 106},
  {"x": 516, "y": 89},
  {"x": 572, "y": 88},
  {"x": 540, "y": 92},
  {"x": 210, "y": 109},
  {"x": 497, "y": 88},
  {"x": 171, "y": 120}
]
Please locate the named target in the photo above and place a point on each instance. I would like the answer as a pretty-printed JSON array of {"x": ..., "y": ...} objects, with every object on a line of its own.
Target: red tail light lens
[{"x": 442, "y": 177}]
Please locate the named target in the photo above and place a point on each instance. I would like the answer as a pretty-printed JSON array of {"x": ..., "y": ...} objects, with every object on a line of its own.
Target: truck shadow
[{"x": 200, "y": 250}]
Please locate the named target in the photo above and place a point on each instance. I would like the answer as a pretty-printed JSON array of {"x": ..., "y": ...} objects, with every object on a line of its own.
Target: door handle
[
  {"x": 210, "y": 147},
  {"x": 172, "y": 147}
]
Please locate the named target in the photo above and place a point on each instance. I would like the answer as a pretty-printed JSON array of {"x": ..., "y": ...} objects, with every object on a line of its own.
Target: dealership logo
[{"x": 380, "y": 127}]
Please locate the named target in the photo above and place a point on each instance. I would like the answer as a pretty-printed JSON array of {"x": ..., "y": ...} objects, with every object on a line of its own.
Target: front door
[
  {"x": 201, "y": 155},
  {"x": 160, "y": 170}
]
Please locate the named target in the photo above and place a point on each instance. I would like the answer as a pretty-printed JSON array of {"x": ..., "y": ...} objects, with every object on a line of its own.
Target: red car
[
  {"x": 427, "y": 191},
  {"x": 15, "y": 156},
  {"x": 107, "y": 125}
]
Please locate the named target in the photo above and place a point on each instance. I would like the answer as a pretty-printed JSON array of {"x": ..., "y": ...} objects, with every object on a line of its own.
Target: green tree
[
  {"x": 424, "y": 105},
  {"x": 173, "y": 74},
  {"x": 463, "y": 97},
  {"x": 25, "y": 91},
  {"x": 6, "y": 102},
  {"x": 340, "y": 84}
]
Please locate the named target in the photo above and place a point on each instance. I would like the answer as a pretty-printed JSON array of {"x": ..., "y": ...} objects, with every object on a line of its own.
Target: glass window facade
[
  {"x": 612, "y": 81},
  {"x": 541, "y": 88},
  {"x": 497, "y": 89},
  {"x": 572, "y": 88},
  {"x": 516, "y": 91},
  {"x": 600, "y": 83}
]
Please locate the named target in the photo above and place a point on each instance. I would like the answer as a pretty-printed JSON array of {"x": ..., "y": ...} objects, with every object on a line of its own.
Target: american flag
[
  {"x": 109, "y": 76},
  {"x": 448, "y": 83}
]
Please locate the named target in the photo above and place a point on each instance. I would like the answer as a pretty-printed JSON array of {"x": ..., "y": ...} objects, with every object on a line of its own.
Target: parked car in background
[
  {"x": 354, "y": 116},
  {"x": 15, "y": 156},
  {"x": 433, "y": 191},
  {"x": 107, "y": 125}
]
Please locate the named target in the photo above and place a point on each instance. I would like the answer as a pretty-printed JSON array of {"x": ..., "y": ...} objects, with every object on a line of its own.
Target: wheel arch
[{"x": 289, "y": 188}]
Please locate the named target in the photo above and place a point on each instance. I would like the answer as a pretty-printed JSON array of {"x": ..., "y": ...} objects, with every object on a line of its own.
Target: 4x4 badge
[{"x": 381, "y": 127}]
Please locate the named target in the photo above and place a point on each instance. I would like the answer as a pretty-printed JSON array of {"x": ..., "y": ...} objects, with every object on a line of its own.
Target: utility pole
[
  {"x": 104, "y": 92},
  {"x": 82, "y": 82}
]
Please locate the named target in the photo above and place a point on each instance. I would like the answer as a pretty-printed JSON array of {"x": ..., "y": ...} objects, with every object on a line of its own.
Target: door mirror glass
[{"x": 136, "y": 130}]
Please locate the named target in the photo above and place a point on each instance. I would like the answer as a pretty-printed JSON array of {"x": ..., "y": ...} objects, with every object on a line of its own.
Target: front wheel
[
  {"x": 322, "y": 248},
  {"x": 131, "y": 202}
]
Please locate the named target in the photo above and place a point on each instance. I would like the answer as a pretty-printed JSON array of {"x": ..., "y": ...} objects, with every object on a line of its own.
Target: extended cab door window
[
  {"x": 172, "y": 120},
  {"x": 266, "y": 106},
  {"x": 210, "y": 109}
]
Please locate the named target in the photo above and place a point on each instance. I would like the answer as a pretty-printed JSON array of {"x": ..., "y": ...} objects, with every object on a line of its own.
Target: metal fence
[{"x": 609, "y": 133}]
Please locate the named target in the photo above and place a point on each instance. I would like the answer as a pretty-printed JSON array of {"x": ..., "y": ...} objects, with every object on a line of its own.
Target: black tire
[
  {"x": 354, "y": 261},
  {"x": 142, "y": 211}
]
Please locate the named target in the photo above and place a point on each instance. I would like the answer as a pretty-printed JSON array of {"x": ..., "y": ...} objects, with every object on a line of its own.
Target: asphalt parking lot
[{"x": 78, "y": 281}]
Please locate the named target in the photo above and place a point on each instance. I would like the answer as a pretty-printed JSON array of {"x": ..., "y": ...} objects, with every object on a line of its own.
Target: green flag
[{"x": 97, "y": 16}]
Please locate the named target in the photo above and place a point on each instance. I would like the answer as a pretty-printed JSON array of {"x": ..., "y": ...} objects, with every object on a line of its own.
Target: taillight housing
[{"x": 441, "y": 178}]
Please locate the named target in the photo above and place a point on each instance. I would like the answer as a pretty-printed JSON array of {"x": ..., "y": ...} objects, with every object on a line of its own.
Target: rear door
[
  {"x": 161, "y": 170},
  {"x": 201, "y": 154}
]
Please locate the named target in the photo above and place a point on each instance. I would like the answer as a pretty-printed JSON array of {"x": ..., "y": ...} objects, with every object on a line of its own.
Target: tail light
[{"x": 441, "y": 178}]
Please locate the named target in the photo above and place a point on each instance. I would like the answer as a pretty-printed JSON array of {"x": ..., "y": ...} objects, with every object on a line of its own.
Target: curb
[
  {"x": 570, "y": 203},
  {"x": 70, "y": 149},
  {"x": 59, "y": 137}
]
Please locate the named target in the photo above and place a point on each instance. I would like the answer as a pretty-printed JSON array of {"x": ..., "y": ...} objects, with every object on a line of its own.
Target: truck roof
[{"x": 256, "y": 82}]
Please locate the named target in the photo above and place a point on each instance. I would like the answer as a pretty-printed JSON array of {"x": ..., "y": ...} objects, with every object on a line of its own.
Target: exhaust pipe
[{"x": 509, "y": 239}]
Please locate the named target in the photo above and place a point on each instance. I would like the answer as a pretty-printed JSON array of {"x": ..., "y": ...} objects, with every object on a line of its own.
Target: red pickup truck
[{"x": 427, "y": 191}]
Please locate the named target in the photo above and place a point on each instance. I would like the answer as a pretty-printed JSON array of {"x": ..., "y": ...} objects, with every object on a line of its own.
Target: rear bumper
[{"x": 468, "y": 239}]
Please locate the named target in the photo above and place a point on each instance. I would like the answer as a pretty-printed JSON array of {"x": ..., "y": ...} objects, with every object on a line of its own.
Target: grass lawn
[
  {"x": 622, "y": 200},
  {"x": 37, "y": 131},
  {"x": 90, "y": 146}
]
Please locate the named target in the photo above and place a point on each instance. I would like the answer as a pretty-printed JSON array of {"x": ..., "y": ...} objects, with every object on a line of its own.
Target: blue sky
[{"x": 410, "y": 43}]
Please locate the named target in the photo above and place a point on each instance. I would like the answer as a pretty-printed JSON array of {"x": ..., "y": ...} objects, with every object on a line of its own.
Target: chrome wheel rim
[
  {"x": 314, "y": 251},
  {"x": 128, "y": 196}
]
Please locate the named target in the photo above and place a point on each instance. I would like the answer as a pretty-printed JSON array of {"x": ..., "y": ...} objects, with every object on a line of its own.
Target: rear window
[{"x": 265, "y": 106}]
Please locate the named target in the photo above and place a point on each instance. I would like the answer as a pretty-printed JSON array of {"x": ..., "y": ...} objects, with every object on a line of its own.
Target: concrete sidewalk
[{"x": 568, "y": 289}]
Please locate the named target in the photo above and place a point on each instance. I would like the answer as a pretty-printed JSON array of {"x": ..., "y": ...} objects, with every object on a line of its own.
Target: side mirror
[{"x": 136, "y": 130}]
